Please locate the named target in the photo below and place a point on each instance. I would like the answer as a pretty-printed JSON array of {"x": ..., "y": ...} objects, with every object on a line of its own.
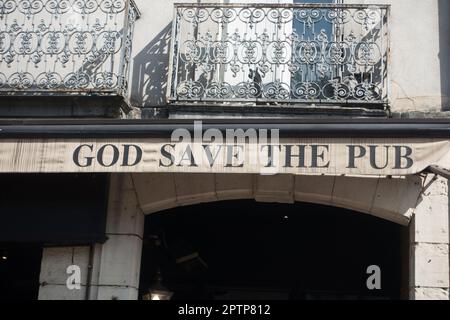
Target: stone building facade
[{"x": 388, "y": 84}]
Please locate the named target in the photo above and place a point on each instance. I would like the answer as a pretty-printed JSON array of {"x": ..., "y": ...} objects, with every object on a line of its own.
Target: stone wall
[{"x": 420, "y": 202}]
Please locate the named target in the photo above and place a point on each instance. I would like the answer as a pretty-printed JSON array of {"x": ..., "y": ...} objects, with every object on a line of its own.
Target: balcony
[
  {"x": 280, "y": 54},
  {"x": 65, "y": 48}
]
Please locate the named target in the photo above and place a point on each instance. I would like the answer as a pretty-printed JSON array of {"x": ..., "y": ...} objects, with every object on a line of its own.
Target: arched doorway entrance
[{"x": 242, "y": 249}]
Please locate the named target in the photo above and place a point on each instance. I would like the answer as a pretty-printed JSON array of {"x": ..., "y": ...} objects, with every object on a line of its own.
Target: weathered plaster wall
[
  {"x": 417, "y": 65},
  {"x": 419, "y": 59}
]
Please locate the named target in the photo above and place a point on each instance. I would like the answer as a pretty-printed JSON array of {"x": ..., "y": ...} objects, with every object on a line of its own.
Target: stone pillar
[
  {"x": 429, "y": 243},
  {"x": 53, "y": 277},
  {"x": 118, "y": 261},
  {"x": 109, "y": 271}
]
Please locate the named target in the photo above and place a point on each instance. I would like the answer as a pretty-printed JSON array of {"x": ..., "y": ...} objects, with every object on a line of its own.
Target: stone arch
[
  {"x": 421, "y": 200},
  {"x": 392, "y": 199}
]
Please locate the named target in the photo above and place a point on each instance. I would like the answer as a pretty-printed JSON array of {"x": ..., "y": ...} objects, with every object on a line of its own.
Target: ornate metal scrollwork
[
  {"x": 298, "y": 53},
  {"x": 65, "y": 45}
]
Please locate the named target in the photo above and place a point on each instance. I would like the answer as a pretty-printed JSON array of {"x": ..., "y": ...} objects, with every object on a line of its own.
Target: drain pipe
[{"x": 90, "y": 271}]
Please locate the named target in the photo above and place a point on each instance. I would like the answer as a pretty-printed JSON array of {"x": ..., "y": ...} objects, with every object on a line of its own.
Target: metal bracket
[{"x": 445, "y": 173}]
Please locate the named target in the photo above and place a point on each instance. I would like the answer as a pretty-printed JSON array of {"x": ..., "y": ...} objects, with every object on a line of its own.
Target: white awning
[{"x": 303, "y": 156}]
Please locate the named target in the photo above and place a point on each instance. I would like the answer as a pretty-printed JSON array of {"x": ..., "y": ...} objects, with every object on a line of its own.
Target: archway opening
[
  {"x": 248, "y": 250},
  {"x": 20, "y": 265}
]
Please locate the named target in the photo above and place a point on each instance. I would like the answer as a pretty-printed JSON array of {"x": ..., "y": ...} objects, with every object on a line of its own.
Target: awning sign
[{"x": 308, "y": 156}]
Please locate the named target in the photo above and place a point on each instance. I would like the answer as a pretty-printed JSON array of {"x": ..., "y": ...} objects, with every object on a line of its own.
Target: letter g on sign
[{"x": 83, "y": 162}]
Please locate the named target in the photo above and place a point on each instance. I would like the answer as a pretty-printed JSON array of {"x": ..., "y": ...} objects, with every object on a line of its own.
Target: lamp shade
[{"x": 158, "y": 291}]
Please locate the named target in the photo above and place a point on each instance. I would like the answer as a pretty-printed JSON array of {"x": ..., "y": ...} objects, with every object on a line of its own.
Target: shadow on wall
[
  {"x": 444, "y": 54},
  {"x": 150, "y": 72}
]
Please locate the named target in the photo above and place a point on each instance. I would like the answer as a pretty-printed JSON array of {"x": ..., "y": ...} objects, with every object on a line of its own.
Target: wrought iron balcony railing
[
  {"x": 65, "y": 47},
  {"x": 280, "y": 53}
]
